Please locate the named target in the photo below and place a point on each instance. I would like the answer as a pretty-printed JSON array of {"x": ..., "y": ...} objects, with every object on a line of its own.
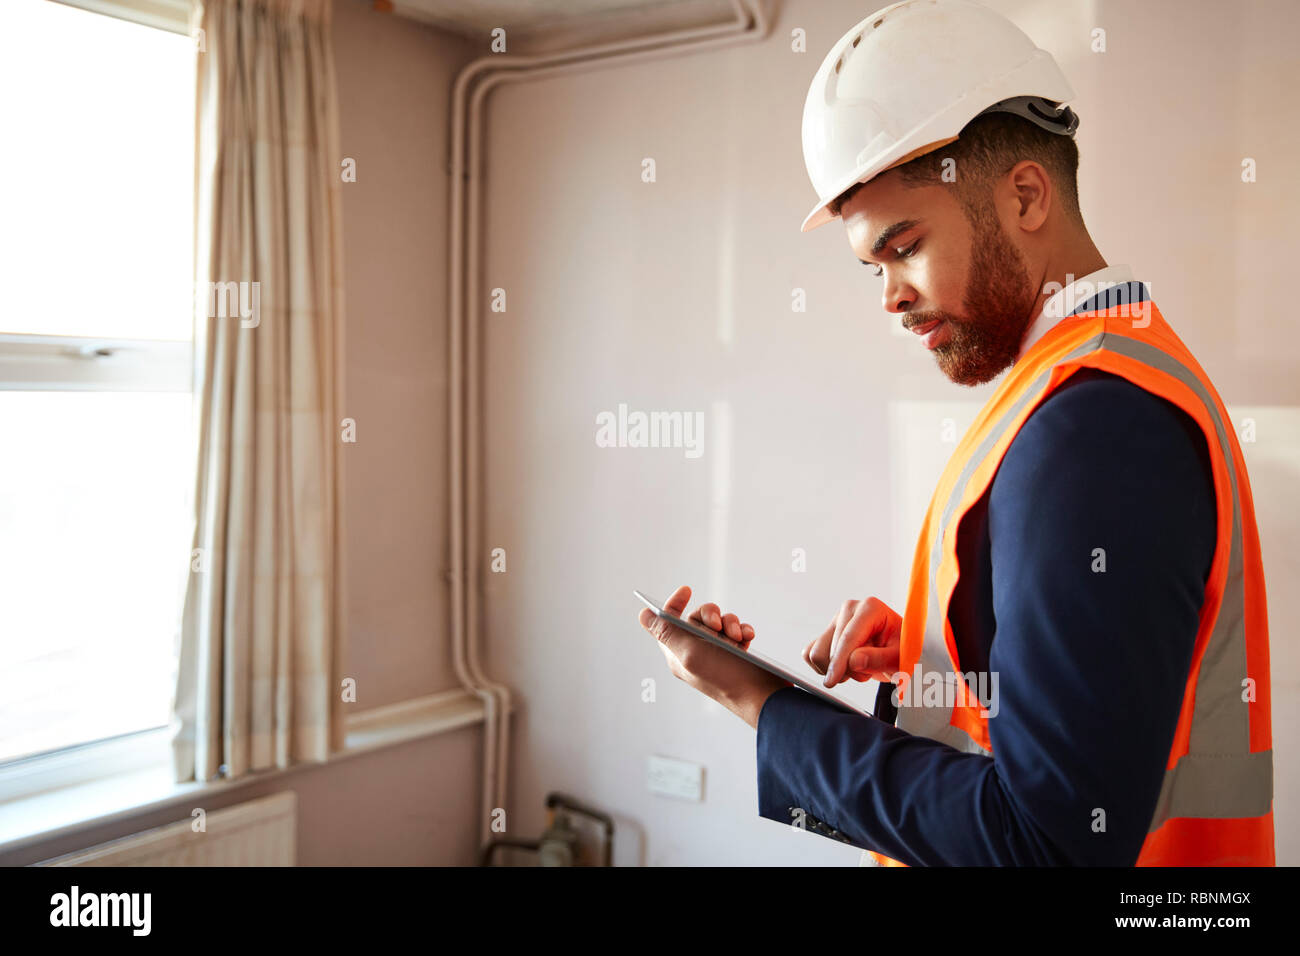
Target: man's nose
[{"x": 898, "y": 296}]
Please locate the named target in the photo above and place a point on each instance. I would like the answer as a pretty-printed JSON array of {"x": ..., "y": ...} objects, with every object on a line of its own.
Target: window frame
[
  {"x": 83, "y": 763},
  {"x": 170, "y": 15},
  {"x": 52, "y": 363}
]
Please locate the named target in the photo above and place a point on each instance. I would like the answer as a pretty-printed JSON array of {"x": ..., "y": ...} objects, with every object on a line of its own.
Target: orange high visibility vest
[{"x": 1215, "y": 805}]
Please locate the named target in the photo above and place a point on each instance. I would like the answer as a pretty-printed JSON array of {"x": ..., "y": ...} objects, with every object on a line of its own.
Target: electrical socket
[{"x": 675, "y": 778}]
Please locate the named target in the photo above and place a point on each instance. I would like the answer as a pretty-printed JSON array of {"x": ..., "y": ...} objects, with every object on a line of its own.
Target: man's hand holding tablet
[{"x": 729, "y": 679}]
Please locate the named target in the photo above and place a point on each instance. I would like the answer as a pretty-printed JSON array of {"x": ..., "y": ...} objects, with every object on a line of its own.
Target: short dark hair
[{"x": 987, "y": 147}]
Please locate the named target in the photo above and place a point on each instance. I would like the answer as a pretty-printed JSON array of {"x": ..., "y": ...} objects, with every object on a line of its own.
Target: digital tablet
[{"x": 755, "y": 658}]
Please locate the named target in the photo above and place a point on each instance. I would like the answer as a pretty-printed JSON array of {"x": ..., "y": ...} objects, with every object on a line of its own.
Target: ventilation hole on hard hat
[
  {"x": 878, "y": 23},
  {"x": 838, "y": 64},
  {"x": 857, "y": 39}
]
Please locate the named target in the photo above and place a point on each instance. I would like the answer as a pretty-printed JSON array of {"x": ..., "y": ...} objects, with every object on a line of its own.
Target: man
[{"x": 1080, "y": 675}]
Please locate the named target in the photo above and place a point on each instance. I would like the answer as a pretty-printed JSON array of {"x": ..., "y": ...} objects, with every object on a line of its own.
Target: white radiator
[{"x": 257, "y": 833}]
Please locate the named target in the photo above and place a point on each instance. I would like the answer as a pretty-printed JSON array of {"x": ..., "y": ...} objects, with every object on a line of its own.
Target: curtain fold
[{"x": 261, "y": 637}]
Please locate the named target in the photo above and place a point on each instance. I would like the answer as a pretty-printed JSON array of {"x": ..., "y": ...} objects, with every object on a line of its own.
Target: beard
[{"x": 998, "y": 306}]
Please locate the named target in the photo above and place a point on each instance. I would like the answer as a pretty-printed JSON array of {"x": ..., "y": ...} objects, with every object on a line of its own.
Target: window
[{"x": 97, "y": 439}]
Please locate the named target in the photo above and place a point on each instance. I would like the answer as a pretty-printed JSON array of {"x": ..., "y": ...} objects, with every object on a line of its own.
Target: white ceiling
[{"x": 540, "y": 18}]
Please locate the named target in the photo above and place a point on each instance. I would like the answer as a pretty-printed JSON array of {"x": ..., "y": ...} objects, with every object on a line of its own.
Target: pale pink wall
[
  {"x": 394, "y": 87},
  {"x": 676, "y": 296}
]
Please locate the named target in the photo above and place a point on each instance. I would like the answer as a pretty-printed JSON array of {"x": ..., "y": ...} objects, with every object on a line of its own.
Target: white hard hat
[{"x": 906, "y": 80}]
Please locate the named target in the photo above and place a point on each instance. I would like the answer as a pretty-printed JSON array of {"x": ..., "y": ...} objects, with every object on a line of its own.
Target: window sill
[{"x": 57, "y": 812}]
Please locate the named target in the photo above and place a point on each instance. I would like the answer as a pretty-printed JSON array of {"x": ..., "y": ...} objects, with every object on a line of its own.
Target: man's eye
[{"x": 901, "y": 253}]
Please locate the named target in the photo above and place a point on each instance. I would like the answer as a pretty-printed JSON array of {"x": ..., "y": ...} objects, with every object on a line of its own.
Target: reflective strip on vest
[{"x": 1219, "y": 777}]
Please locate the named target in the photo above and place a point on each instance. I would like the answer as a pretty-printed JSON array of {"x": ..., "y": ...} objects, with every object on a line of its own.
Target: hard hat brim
[{"x": 822, "y": 214}]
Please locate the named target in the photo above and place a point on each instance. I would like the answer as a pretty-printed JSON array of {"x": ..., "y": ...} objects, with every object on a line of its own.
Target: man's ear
[{"x": 1034, "y": 194}]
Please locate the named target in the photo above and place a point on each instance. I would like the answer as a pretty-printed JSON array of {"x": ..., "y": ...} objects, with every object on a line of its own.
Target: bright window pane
[
  {"x": 96, "y": 174},
  {"x": 94, "y": 520}
]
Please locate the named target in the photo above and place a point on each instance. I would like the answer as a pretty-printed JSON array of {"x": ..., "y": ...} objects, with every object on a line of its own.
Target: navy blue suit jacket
[{"x": 1092, "y": 666}]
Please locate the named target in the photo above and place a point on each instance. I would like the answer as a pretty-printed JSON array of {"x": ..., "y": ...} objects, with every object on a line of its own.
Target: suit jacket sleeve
[{"x": 1091, "y": 664}]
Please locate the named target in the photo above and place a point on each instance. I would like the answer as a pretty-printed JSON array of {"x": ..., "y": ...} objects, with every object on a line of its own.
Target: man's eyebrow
[{"x": 889, "y": 233}]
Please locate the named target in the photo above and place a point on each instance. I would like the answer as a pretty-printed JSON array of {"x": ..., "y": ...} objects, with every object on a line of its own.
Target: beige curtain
[{"x": 259, "y": 679}]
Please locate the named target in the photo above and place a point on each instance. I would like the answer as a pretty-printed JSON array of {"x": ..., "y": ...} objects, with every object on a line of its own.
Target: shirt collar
[{"x": 1069, "y": 298}]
